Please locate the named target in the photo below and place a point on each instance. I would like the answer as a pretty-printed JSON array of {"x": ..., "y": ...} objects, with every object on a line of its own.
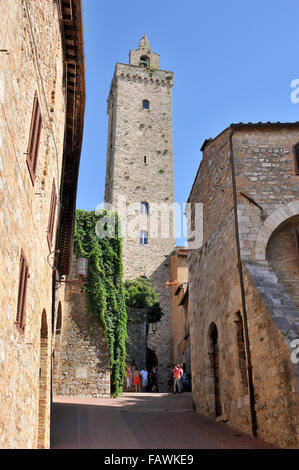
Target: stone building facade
[
  {"x": 81, "y": 365},
  {"x": 243, "y": 301},
  {"x": 139, "y": 179},
  {"x": 41, "y": 124},
  {"x": 181, "y": 353}
]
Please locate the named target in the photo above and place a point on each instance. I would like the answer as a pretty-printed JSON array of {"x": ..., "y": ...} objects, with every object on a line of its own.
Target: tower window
[
  {"x": 144, "y": 61},
  {"x": 296, "y": 157},
  {"x": 145, "y": 104},
  {"x": 144, "y": 208},
  {"x": 144, "y": 159},
  {"x": 143, "y": 237}
]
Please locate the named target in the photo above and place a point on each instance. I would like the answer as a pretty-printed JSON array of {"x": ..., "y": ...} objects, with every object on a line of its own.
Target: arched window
[
  {"x": 145, "y": 104},
  {"x": 144, "y": 61},
  {"x": 143, "y": 237},
  {"x": 144, "y": 208}
]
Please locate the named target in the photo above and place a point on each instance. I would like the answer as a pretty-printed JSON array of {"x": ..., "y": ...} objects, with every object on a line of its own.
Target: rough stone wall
[
  {"x": 277, "y": 404},
  {"x": 264, "y": 168},
  {"x": 140, "y": 168},
  {"x": 264, "y": 172},
  {"x": 83, "y": 365},
  {"x": 180, "y": 322},
  {"x": 30, "y": 33},
  {"x": 215, "y": 297},
  {"x": 136, "y": 341}
]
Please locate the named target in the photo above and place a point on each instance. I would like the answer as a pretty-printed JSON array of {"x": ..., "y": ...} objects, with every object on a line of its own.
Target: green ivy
[
  {"x": 104, "y": 287},
  {"x": 139, "y": 293}
]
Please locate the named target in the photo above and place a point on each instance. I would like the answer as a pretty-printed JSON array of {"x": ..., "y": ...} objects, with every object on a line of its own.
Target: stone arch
[
  {"x": 144, "y": 61},
  {"x": 151, "y": 359},
  {"x": 215, "y": 405},
  {"x": 271, "y": 224},
  {"x": 282, "y": 254},
  {"x": 43, "y": 384}
]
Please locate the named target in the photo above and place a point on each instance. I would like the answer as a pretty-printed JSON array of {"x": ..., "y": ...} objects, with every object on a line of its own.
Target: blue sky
[{"x": 232, "y": 61}]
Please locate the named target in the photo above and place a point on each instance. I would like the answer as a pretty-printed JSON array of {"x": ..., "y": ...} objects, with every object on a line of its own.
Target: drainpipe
[{"x": 245, "y": 320}]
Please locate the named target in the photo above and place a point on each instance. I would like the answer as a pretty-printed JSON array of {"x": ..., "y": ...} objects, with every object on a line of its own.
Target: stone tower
[{"x": 139, "y": 179}]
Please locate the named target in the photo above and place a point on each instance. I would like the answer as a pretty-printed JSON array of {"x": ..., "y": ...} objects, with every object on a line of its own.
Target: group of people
[
  {"x": 176, "y": 379},
  {"x": 141, "y": 380}
]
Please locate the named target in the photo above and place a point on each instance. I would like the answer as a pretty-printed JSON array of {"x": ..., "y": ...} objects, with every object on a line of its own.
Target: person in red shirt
[{"x": 177, "y": 374}]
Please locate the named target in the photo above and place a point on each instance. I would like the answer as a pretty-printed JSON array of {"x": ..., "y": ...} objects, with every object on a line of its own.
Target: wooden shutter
[
  {"x": 296, "y": 157},
  {"x": 52, "y": 213},
  {"x": 34, "y": 138},
  {"x": 296, "y": 233},
  {"x": 22, "y": 291}
]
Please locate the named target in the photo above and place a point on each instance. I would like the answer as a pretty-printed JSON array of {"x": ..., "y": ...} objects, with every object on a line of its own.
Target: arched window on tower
[
  {"x": 144, "y": 61},
  {"x": 145, "y": 104},
  {"x": 144, "y": 208},
  {"x": 143, "y": 237}
]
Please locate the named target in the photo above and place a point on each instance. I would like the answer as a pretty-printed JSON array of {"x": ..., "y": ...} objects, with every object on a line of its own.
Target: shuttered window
[
  {"x": 296, "y": 157},
  {"x": 22, "y": 291},
  {"x": 34, "y": 138},
  {"x": 296, "y": 233},
  {"x": 50, "y": 231}
]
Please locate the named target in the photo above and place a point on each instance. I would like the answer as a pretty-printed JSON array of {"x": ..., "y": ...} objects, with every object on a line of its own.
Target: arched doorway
[
  {"x": 43, "y": 384},
  {"x": 151, "y": 359},
  {"x": 214, "y": 357}
]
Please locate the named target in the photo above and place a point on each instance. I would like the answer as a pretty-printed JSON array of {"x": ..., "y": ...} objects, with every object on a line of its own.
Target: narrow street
[{"x": 140, "y": 421}]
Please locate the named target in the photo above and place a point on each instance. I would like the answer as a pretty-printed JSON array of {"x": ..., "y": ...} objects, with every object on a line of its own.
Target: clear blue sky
[{"x": 233, "y": 61}]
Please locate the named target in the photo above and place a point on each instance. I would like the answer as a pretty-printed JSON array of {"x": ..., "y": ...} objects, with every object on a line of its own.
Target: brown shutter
[
  {"x": 296, "y": 233},
  {"x": 22, "y": 291},
  {"x": 34, "y": 138},
  {"x": 52, "y": 215},
  {"x": 296, "y": 157}
]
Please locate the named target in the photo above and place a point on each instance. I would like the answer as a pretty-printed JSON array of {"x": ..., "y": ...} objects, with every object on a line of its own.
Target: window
[
  {"x": 143, "y": 237},
  {"x": 144, "y": 61},
  {"x": 144, "y": 208},
  {"x": 53, "y": 203},
  {"x": 144, "y": 159},
  {"x": 296, "y": 233},
  {"x": 34, "y": 138},
  {"x": 296, "y": 157},
  {"x": 145, "y": 104},
  {"x": 22, "y": 290}
]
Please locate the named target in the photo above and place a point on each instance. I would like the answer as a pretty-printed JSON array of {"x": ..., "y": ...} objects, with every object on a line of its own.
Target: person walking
[
  {"x": 177, "y": 374},
  {"x": 128, "y": 379},
  {"x": 136, "y": 379},
  {"x": 154, "y": 380},
  {"x": 144, "y": 379}
]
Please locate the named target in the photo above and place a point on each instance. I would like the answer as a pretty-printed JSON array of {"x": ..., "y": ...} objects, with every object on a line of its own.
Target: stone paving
[{"x": 140, "y": 421}]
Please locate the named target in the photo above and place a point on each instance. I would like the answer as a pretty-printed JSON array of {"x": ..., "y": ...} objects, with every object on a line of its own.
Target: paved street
[{"x": 140, "y": 421}]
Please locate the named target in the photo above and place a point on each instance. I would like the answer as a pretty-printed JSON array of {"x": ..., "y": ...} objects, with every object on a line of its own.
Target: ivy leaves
[{"x": 104, "y": 288}]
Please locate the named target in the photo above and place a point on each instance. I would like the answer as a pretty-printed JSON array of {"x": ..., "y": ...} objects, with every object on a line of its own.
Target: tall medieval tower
[{"x": 139, "y": 180}]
